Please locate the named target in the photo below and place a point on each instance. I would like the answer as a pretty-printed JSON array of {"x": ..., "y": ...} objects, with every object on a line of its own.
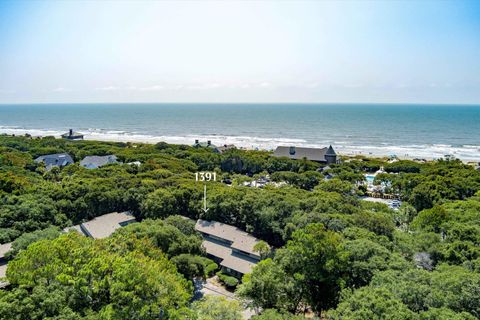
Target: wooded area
[{"x": 333, "y": 254}]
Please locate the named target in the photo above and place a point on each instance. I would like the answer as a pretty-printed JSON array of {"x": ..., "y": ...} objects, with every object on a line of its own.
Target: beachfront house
[
  {"x": 207, "y": 144},
  {"x": 226, "y": 147},
  {"x": 94, "y": 162},
  {"x": 72, "y": 135},
  {"x": 323, "y": 155},
  {"x": 55, "y": 160},
  {"x": 229, "y": 246}
]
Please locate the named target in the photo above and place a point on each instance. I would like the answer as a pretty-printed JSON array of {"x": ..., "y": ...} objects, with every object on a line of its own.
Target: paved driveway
[{"x": 211, "y": 287}]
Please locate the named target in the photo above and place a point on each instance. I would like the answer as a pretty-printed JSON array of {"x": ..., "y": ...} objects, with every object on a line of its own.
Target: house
[
  {"x": 94, "y": 162},
  {"x": 135, "y": 163},
  {"x": 229, "y": 246},
  {"x": 226, "y": 147},
  {"x": 103, "y": 226},
  {"x": 98, "y": 228},
  {"x": 55, "y": 160},
  {"x": 207, "y": 144},
  {"x": 4, "y": 248},
  {"x": 324, "y": 155},
  {"x": 72, "y": 135},
  {"x": 261, "y": 182}
]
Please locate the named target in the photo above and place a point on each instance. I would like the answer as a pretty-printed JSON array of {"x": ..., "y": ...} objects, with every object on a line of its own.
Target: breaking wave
[{"x": 425, "y": 151}]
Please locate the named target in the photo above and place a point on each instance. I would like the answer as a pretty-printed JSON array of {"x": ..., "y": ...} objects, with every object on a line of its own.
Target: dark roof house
[
  {"x": 55, "y": 160},
  {"x": 207, "y": 144},
  {"x": 323, "y": 155},
  {"x": 230, "y": 246},
  {"x": 72, "y": 135},
  {"x": 94, "y": 162}
]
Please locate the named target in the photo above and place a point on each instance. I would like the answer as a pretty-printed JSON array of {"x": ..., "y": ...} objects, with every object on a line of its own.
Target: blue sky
[{"x": 317, "y": 51}]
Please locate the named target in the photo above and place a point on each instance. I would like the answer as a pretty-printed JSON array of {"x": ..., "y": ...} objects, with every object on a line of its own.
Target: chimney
[
  {"x": 292, "y": 150},
  {"x": 209, "y": 142},
  {"x": 196, "y": 141},
  {"x": 70, "y": 132}
]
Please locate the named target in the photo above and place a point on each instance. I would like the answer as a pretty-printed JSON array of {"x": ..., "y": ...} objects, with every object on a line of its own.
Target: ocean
[{"x": 405, "y": 130}]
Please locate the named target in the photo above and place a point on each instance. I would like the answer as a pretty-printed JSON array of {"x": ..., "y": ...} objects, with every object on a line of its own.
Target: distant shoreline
[
  {"x": 372, "y": 130},
  {"x": 342, "y": 151}
]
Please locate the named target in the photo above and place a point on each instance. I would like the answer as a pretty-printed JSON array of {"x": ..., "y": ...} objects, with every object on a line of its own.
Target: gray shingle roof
[
  {"x": 229, "y": 259},
  {"x": 93, "y": 162},
  {"x": 4, "y": 248},
  {"x": 240, "y": 240},
  {"x": 226, "y": 147},
  {"x": 3, "y": 273},
  {"x": 330, "y": 151},
  {"x": 238, "y": 263},
  {"x": 298, "y": 153},
  {"x": 104, "y": 226},
  {"x": 72, "y": 135},
  {"x": 57, "y": 159}
]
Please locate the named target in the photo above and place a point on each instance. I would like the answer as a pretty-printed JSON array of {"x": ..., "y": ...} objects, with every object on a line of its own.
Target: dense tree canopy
[
  {"x": 333, "y": 254},
  {"x": 83, "y": 277}
]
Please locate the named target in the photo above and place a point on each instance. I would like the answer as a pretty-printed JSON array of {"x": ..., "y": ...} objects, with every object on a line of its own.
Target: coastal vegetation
[{"x": 333, "y": 254}]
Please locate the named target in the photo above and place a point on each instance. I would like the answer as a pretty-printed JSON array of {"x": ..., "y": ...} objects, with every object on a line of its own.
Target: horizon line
[{"x": 251, "y": 103}]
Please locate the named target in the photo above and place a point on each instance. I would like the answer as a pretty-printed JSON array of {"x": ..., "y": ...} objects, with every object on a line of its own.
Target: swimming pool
[{"x": 369, "y": 178}]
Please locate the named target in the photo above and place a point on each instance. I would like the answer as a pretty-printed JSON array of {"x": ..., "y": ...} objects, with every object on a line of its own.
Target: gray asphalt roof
[
  {"x": 104, "y": 226},
  {"x": 240, "y": 239},
  {"x": 229, "y": 259},
  {"x": 4, "y": 248},
  {"x": 92, "y": 162},
  {"x": 74, "y": 134},
  {"x": 313, "y": 154},
  {"x": 3, "y": 273},
  {"x": 57, "y": 159}
]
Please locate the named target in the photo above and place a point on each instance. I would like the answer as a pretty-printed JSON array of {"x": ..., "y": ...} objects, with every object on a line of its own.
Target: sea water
[{"x": 424, "y": 131}]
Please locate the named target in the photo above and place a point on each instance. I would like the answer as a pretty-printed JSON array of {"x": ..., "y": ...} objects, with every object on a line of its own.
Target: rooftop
[
  {"x": 104, "y": 226},
  {"x": 3, "y": 273},
  {"x": 229, "y": 259},
  {"x": 4, "y": 248},
  {"x": 240, "y": 239},
  {"x": 226, "y": 147},
  {"x": 207, "y": 144},
  {"x": 56, "y": 159},
  {"x": 314, "y": 154},
  {"x": 92, "y": 162},
  {"x": 72, "y": 135}
]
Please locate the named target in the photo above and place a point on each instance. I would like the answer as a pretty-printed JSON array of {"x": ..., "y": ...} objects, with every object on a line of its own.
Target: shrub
[
  {"x": 230, "y": 282},
  {"x": 210, "y": 269}
]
